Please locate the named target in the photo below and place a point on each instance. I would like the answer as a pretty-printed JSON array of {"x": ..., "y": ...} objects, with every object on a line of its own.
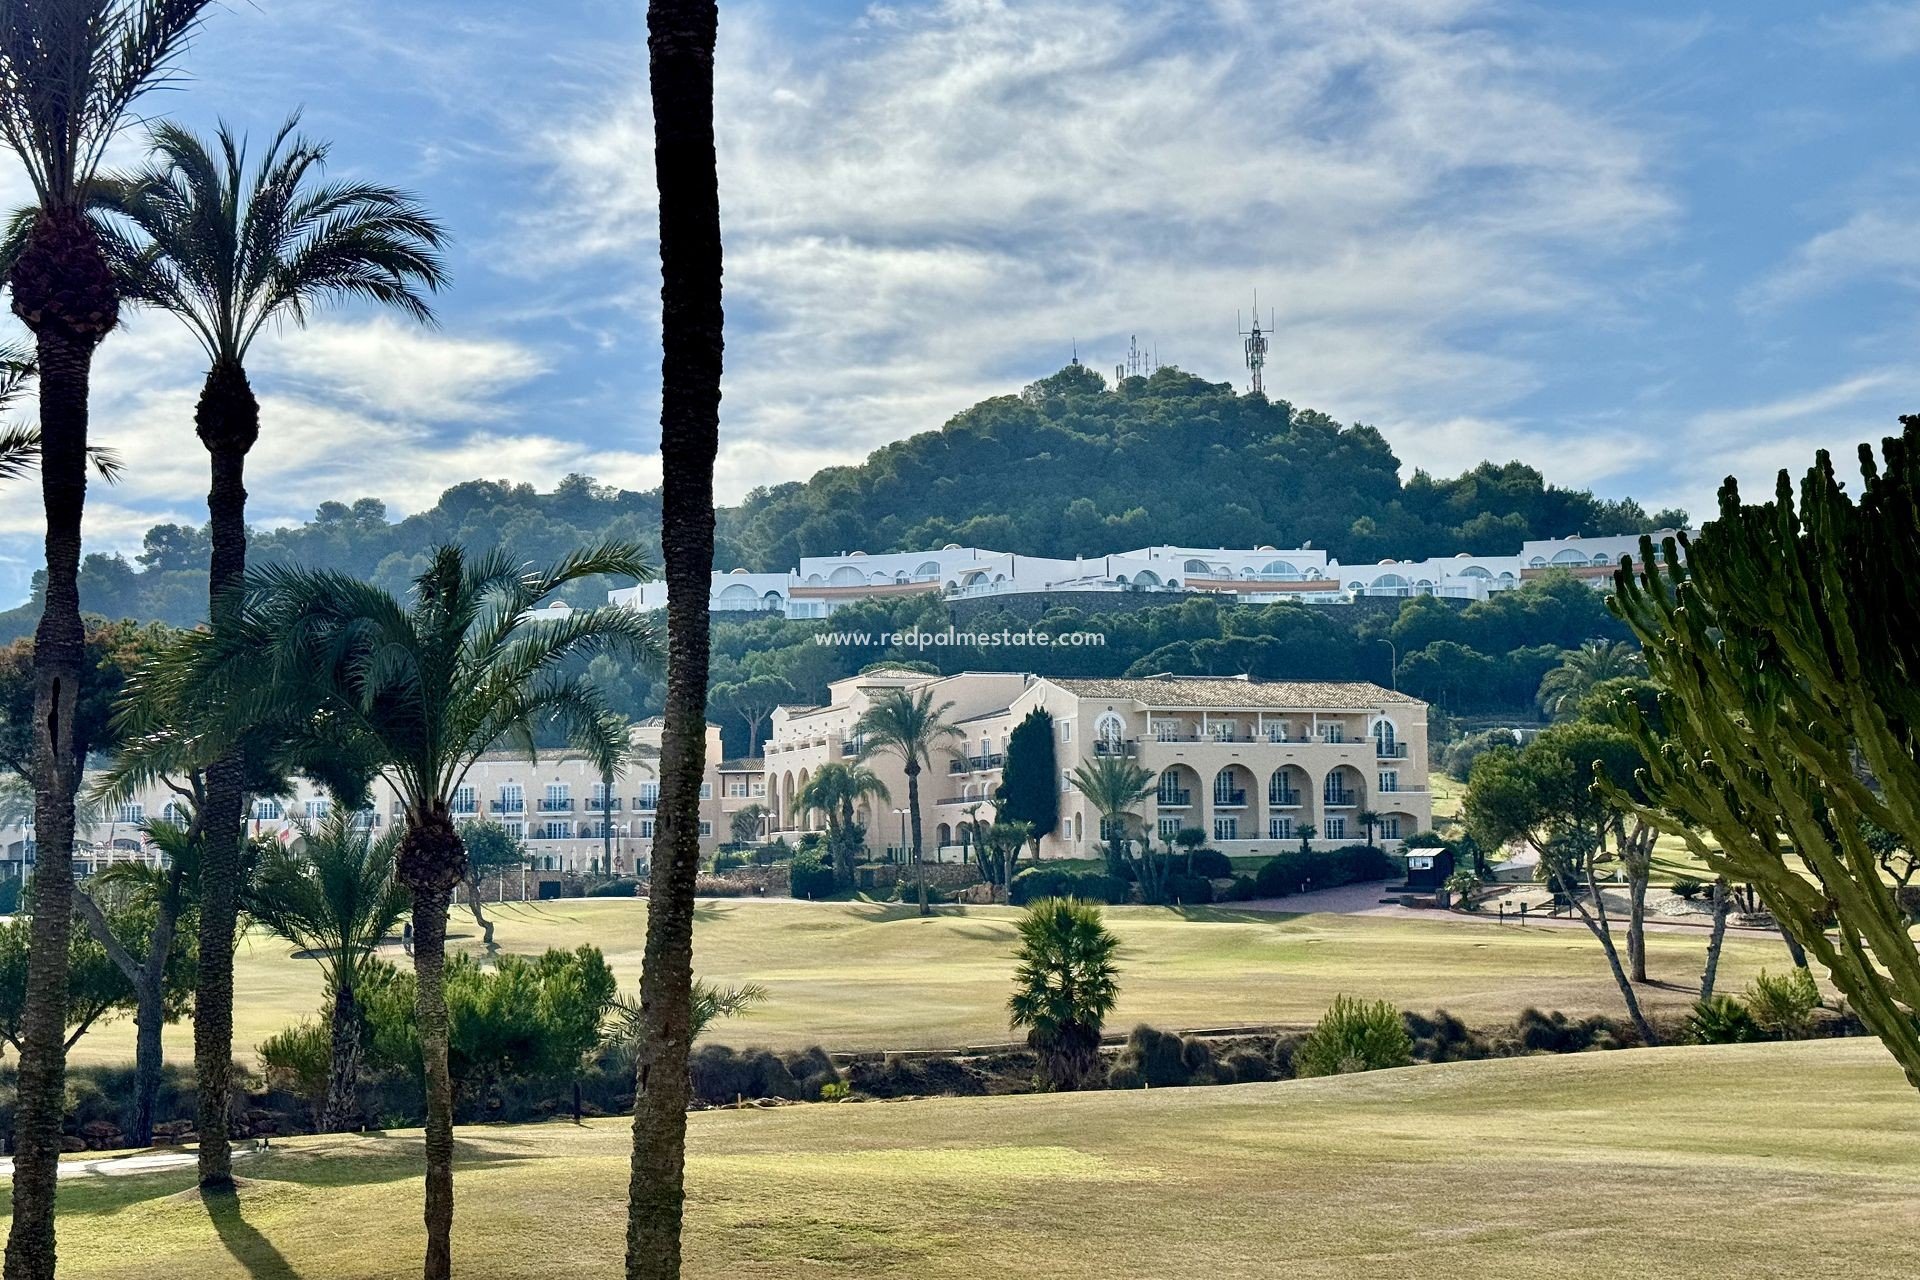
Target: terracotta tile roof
[{"x": 1225, "y": 692}]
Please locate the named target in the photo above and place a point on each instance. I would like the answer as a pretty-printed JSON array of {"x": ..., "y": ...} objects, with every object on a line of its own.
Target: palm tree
[
  {"x": 1113, "y": 785},
  {"x": 1065, "y": 985},
  {"x": 1594, "y": 662},
  {"x": 334, "y": 897},
  {"x": 20, "y": 445},
  {"x": 228, "y": 252},
  {"x": 680, "y": 45},
  {"x": 69, "y": 75},
  {"x": 1368, "y": 820},
  {"x": 424, "y": 688},
  {"x": 907, "y": 724},
  {"x": 833, "y": 792}
]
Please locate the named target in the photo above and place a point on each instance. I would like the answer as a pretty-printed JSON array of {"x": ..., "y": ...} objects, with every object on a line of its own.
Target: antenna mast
[{"x": 1256, "y": 344}]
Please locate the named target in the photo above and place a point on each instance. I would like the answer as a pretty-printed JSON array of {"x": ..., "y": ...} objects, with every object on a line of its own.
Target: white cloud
[
  {"x": 1880, "y": 32},
  {"x": 934, "y": 204},
  {"x": 1869, "y": 244}
]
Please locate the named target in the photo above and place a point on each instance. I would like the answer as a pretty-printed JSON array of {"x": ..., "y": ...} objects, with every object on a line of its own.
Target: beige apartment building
[
  {"x": 1249, "y": 762},
  {"x": 559, "y": 804}
]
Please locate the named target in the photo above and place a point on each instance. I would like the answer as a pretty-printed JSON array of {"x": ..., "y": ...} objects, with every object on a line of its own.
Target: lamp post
[
  {"x": 1393, "y": 672},
  {"x": 904, "y": 848}
]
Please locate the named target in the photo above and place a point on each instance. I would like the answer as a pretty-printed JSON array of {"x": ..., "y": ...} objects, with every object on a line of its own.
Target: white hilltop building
[{"x": 1256, "y": 575}]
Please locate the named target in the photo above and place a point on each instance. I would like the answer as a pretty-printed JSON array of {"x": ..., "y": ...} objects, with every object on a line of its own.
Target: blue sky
[{"x": 1639, "y": 246}]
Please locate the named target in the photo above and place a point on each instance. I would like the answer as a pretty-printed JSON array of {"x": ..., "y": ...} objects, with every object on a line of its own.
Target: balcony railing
[
  {"x": 550, "y": 805},
  {"x": 508, "y": 806},
  {"x": 1284, "y": 799},
  {"x": 1390, "y": 750},
  {"x": 852, "y": 747},
  {"x": 645, "y": 804},
  {"x": 461, "y": 808},
  {"x": 1230, "y": 799},
  {"x": 1125, "y": 749},
  {"x": 970, "y": 764},
  {"x": 608, "y": 804},
  {"x": 1175, "y": 799},
  {"x": 1341, "y": 799}
]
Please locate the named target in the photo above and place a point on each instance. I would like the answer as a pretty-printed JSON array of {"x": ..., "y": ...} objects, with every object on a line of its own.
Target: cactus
[{"x": 1786, "y": 639}]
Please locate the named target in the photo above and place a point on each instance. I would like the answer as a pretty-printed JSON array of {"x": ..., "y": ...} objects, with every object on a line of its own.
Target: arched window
[
  {"x": 1570, "y": 556},
  {"x": 928, "y": 569},
  {"x": 1280, "y": 569},
  {"x": 1196, "y": 566},
  {"x": 1110, "y": 728},
  {"x": 1386, "y": 739},
  {"x": 847, "y": 576}
]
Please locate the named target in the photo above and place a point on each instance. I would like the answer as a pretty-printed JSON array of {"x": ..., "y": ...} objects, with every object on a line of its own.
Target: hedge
[
  {"x": 1036, "y": 883},
  {"x": 809, "y": 877},
  {"x": 1328, "y": 869}
]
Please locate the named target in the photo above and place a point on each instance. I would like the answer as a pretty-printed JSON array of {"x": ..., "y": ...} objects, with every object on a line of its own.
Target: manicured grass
[
  {"x": 1750, "y": 1160},
  {"x": 870, "y": 976}
]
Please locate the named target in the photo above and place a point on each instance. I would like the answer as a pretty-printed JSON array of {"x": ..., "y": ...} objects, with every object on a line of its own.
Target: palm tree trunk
[
  {"x": 228, "y": 421},
  {"x": 1715, "y": 939},
  {"x": 430, "y": 1012},
  {"x": 1637, "y": 924},
  {"x": 913, "y": 816},
  {"x": 680, "y": 43},
  {"x": 342, "y": 1106},
  {"x": 57, "y": 256}
]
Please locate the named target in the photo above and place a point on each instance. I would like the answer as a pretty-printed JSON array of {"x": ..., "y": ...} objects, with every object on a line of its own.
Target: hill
[
  {"x": 1741, "y": 1160},
  {"x": 1069, "y": 466}
]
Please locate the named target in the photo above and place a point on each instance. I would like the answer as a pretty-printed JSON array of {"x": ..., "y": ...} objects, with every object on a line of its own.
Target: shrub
[
  {"x": 1554, "y": 1032},
  {"x": 1721, "y": 1020},
  {"x": 1243, "y": 889},
  {"x": 1783, "y": 1007},
  {"x": 298, "y": 1059},
  {"x": 1688, "y": 888},
  {"x": 1355, "y": 1035},
  {"x": 1210, "y": 863},
  {"x": 1244, "y": 1066},
  {"x": 1426, "y": 840},
  {"x": 619, "y": 887},
  {"x": 1463, "y": 885},
  {"x": 1035, "y": 883},
  {"x": 707, "y": 886},
  {"x": 1287, "y": 871},
  {"x": 1152, "y": 1059},
  {"x": 1444, "y": 1038},
  {"x": 1190, "y": 891},
  {"x": 728, "y": 860},
  {"x": 810, "y": 876},
  {"x": 1461, "y": 755}
]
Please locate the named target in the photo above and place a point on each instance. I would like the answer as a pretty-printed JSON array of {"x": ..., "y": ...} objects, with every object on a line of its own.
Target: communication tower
[{"x": 1256, "y": 344}]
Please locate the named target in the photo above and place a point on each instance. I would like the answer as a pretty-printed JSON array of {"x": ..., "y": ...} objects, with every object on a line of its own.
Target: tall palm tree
[
  {"x": 906, "y": 724},
  {"x": 70, "y": 74},
  {"x": 1594, "y": 662},
  {"x": 1114, "y": 786},
  {"x": 229, "y": 251},
  {"x": 424, "y": 687},
  {"x": 833, "y": 792},
  {"x": 680, "y": 47},
  {"x": 335, "y": 897}
]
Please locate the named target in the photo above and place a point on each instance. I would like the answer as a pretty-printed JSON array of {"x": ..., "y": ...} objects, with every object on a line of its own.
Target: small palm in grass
[{"x": 1065, "y": 986}]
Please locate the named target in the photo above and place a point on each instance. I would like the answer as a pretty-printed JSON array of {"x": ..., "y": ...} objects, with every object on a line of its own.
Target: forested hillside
[{"x": 1071, "y": 466}]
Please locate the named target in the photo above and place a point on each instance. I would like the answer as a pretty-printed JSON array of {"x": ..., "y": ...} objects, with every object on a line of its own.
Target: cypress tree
[{"x": 1029, "y": 778}]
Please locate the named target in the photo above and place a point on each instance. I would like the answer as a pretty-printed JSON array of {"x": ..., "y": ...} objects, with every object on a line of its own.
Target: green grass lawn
[
  {"x": 869, "y": 976},
  {"x": 1749, "y": 1161}
]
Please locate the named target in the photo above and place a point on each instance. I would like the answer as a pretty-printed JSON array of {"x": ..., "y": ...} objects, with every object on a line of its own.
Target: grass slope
[
  {"x": 869, "y": 976},
  {"x": 1750, "y": 1161}
]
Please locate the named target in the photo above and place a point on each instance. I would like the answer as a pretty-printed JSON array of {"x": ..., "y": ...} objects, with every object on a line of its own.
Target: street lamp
[
  {"x": 905, "y": 849},
  {"x": 1393, "y": 672}
]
